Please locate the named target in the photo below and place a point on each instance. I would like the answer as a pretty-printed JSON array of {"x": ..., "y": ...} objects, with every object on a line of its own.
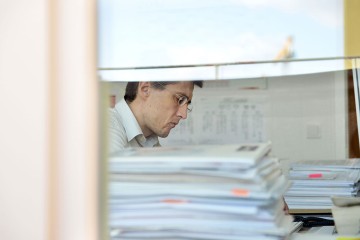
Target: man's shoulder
[
  {"x": 114, "y": 117},
  {"x": 112, "y": 111}
]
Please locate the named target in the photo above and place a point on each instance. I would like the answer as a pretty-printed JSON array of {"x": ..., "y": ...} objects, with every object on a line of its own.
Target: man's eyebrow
[{"x": 184, "y": 95}]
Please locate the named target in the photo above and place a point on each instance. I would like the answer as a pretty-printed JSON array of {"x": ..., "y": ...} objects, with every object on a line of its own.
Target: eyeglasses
[{"x": 180, "y": 99}]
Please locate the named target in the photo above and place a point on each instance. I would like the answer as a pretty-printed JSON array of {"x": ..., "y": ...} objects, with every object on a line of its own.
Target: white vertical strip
[
  {"x": 76, "y": 120},
  {"x": 23, "y": 121}
]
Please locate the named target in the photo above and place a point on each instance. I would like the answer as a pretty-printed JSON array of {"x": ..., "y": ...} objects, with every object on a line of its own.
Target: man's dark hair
[{"x": 132, "y": 87}]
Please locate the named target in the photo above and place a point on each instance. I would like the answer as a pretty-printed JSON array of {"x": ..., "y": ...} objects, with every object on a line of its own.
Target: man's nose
[{"x": 182, "y": 111}]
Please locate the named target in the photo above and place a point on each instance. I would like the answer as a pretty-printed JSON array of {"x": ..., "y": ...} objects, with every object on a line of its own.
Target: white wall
[{"x": 308, "y": 116}]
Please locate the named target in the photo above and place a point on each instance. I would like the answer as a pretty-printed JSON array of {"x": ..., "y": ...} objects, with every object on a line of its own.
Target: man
[{"x": 149, "y": 110}]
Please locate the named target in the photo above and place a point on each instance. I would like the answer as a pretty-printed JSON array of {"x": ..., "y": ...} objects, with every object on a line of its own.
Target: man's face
[{"x": 162, "y": 112}]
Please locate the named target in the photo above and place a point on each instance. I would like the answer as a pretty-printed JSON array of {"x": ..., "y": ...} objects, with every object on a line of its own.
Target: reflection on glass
[{"x": 177, "y": 32}]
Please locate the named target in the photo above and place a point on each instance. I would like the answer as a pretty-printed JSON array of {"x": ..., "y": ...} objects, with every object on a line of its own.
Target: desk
[
  {"x": 310, "y": 211},
  {"x": 321, "y": 233}
]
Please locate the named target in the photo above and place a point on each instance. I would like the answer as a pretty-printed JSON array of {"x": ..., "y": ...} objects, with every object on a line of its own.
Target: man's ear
[{"x": 144, "y": 89}]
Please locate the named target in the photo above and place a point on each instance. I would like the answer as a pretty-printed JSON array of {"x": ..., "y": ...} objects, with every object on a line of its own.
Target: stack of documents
[
  {"x": 200, "y": 192},
  {"x": 315, "y": 182}
]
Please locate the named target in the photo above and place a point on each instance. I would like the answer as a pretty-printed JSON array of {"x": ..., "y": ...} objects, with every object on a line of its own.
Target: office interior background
[{"x": 53, "y": 93}]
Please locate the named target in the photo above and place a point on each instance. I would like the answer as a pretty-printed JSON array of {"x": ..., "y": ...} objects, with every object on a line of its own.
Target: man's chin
[{"x": 164, "y": 134}]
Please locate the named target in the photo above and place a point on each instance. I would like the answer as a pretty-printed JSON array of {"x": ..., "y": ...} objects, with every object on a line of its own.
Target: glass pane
[
  {"x": 300, "y": 106},
  {"x": 307, "y": 109}
]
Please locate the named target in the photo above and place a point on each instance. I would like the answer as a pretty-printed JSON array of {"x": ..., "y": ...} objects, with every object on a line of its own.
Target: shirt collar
[{"x": 132, "y": 126}]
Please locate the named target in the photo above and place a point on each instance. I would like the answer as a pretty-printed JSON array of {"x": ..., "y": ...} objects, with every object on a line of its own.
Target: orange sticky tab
[
  {"x": 315, "y": 175},
  {"x": 240, "y": 192},
  {"x": 174, "y": 201}
]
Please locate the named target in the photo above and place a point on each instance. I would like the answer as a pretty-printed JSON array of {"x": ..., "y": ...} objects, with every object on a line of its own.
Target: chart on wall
[{"x": 219, "y": 120}]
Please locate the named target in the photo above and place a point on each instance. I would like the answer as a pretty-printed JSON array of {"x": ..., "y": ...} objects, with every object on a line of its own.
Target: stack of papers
[
  {"x": 197, "y": 192},
  {"x": 315, "y": 182}
]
